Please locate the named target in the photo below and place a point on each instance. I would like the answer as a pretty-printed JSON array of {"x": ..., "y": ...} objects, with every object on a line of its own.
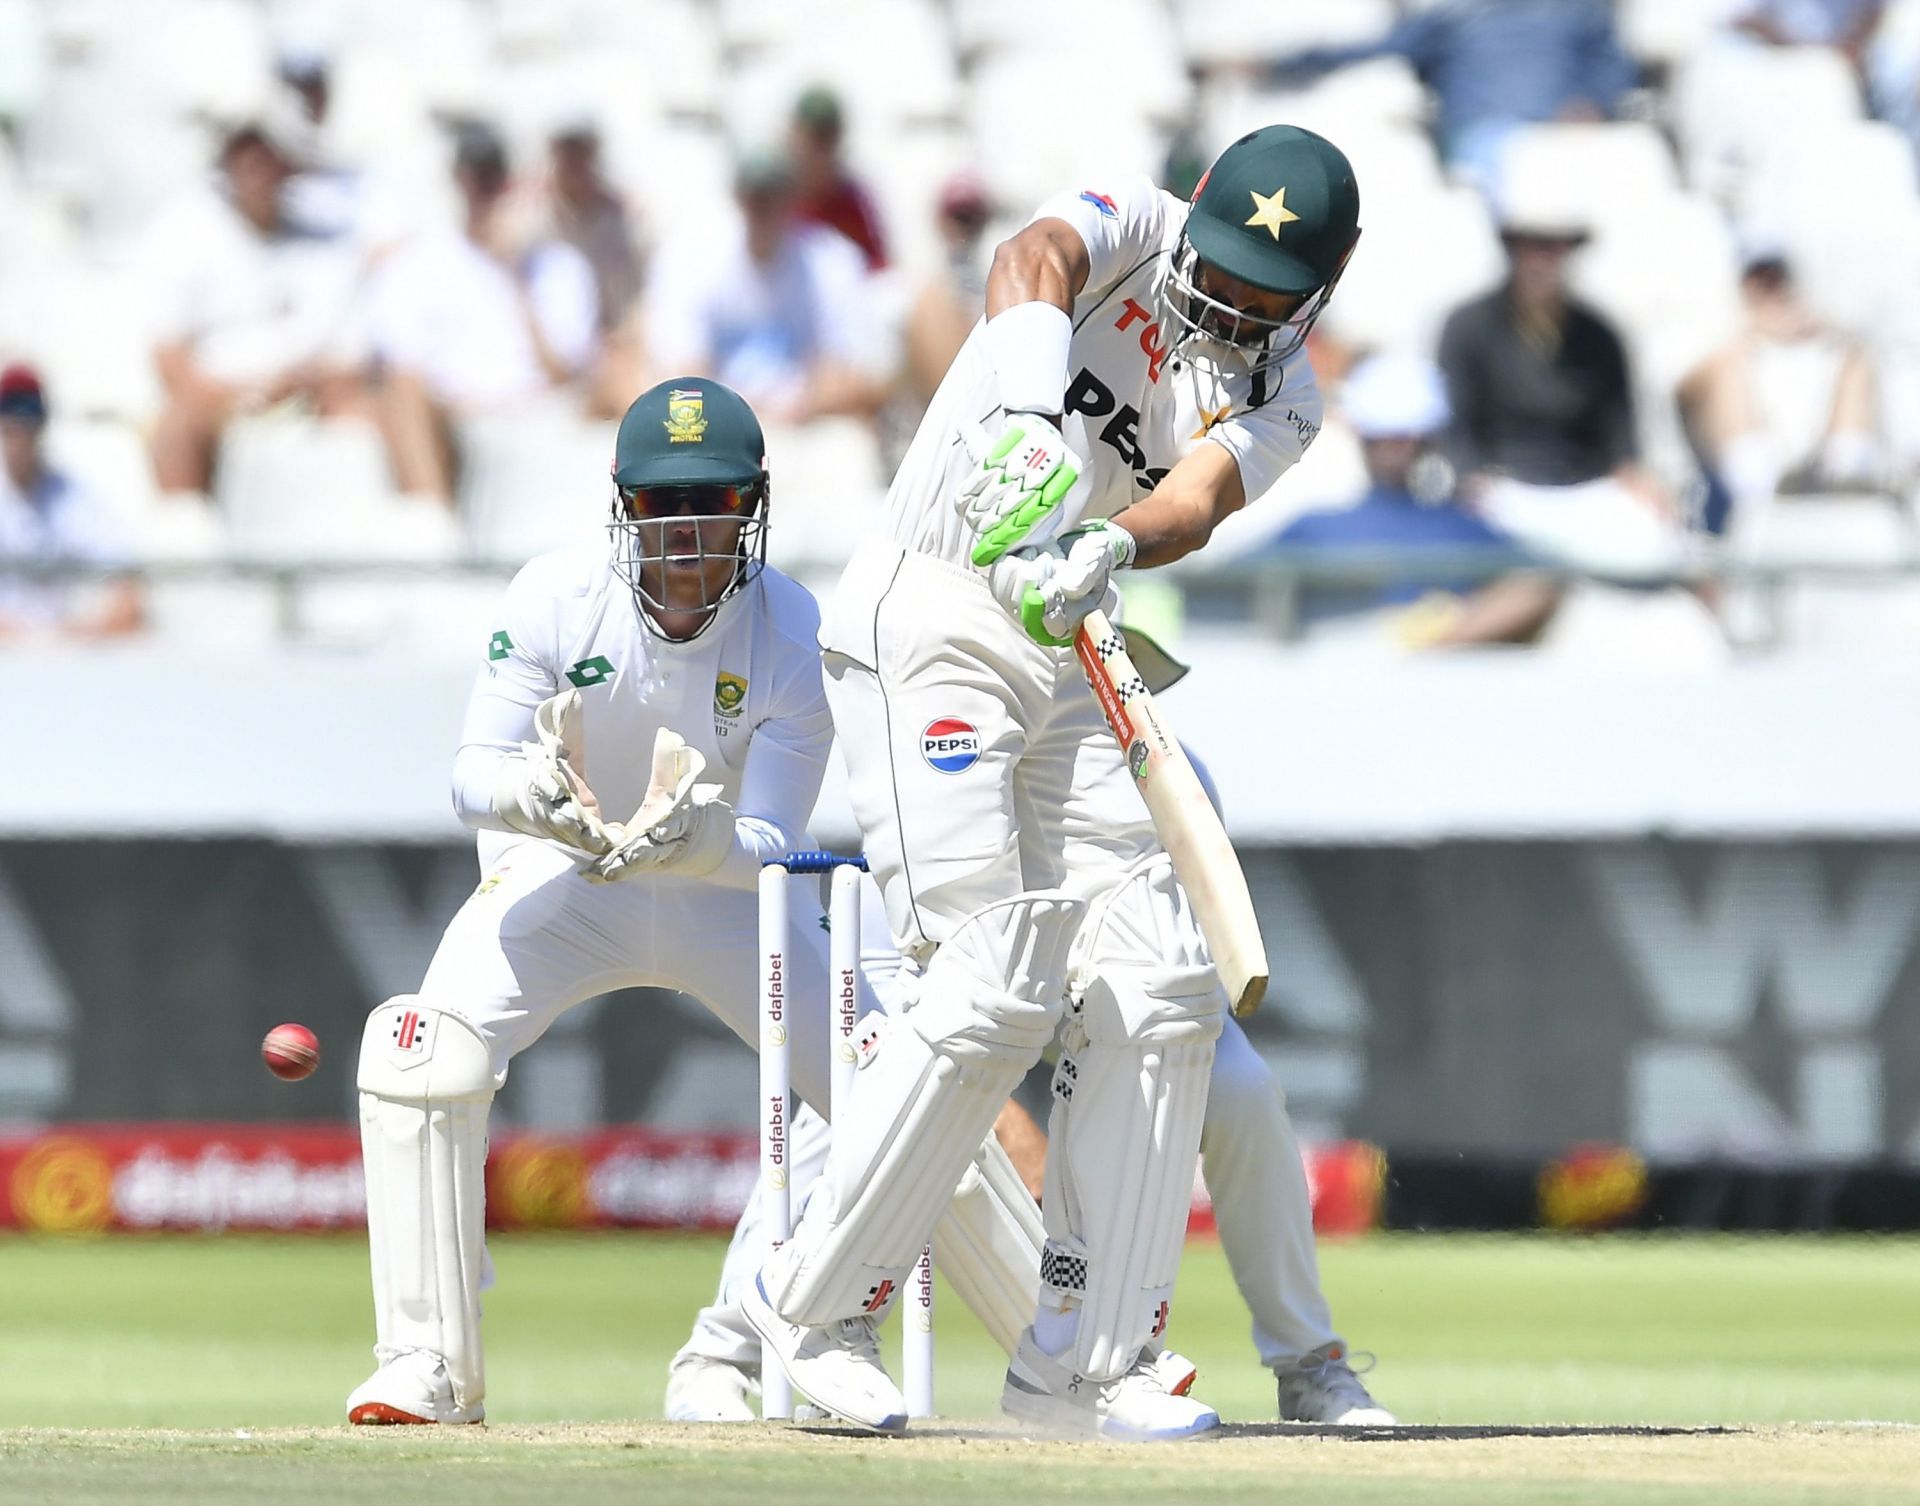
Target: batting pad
[
  {"x": 928, "y": 1087},
  {"x": 988, "y": 1245},
  {"x": 1130, "y": 1096},
  {"x": 426, "y": 1084}
]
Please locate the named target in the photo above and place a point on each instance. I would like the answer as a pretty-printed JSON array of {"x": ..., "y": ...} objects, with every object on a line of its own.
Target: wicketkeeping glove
[
  {"x": 682, "y": 825},
  {"x": 1023, "y": 475},
  {"x": 542, "y": 790}
]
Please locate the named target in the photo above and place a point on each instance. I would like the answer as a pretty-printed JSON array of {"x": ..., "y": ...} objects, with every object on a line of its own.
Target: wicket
[{"x": 776, "y": 1096}]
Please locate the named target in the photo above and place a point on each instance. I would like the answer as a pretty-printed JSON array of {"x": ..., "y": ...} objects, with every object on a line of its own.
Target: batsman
[{"x": 1138, "y": 376}]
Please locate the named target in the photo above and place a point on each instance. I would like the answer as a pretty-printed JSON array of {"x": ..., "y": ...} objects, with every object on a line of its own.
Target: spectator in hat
[
  {"x": 1786, "y": 405},
  {"x": 1543, "y": 432},
  {"x": 1495, "y": 65},
  {"x": 825, "y": 191},
  {"x": 47, "y": 516},
  {"x": 1397, "y": 405},
  {"x": 771, "y": 305},
  {"x": 475, "y": 319},
  {"x": 948, "y": 305},
  {"x": 251, "y": 309}
]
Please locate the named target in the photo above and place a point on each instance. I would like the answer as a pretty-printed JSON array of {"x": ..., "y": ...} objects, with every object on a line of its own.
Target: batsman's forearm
[{"x": 1181, "y": 513}]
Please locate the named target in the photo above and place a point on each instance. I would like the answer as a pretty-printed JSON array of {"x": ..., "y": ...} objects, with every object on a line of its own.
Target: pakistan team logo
[
  {"x": 729, "y": 694},
  {"x": 588, "y": 672},
  {"x": 686, "y": 416}
]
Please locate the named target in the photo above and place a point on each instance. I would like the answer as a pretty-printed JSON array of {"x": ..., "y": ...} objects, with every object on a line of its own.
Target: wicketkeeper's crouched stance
[
  {"x": 691, "y": 673},
  {"x": 1141, "y": 357}
]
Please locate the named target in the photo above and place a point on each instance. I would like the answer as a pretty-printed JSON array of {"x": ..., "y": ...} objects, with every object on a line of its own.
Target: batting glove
[
  {"x": 1051, "y": 588},
  {"x": 1023, "y": 475}
]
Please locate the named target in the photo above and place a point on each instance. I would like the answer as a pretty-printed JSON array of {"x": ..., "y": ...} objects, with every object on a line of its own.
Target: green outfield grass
[{"x": 219, "y": 1335}]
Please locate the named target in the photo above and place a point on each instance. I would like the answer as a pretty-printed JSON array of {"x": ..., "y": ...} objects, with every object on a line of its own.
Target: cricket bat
[{"x": 1203, "y": 858}]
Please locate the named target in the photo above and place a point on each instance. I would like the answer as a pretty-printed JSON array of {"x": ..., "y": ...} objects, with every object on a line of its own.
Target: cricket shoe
[
  {"x": 1322, "y": 1387},
  {"x": 702, "y": 1389},
  {"x": 837, "y": 1366},
  {"x": 1176, "y": 1372},
  {"x": 410, "y": 1387},
  {"x": 1138, "y": 1407}
]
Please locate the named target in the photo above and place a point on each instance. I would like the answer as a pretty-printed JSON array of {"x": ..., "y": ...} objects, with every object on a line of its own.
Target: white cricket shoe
[
  {"x": 1176, "y": 1372},
  {"x": 1322, "y": 1387},
  {"x": 1137, "y": 1407},
  {"x": 410, "y": 1387},
  {"x": 703, "y": 1389},
  {"x": 836, "y": 1367}
]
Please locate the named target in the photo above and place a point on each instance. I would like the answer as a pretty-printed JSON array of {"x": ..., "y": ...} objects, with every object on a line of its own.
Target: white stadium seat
[
  {"x": 1732, "y": 100},
  {"x": 1420, "y": 256},
  {"x": 532, "y": 481}
]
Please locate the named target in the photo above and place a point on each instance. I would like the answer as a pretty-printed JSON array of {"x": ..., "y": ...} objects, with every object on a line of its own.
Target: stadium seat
[
  {"x": 1015, "y": 112},
  {"x": 532, "y": 481},
  {"x": 1674, "y": 294},
  {"x": 1666, "y": 32},
  {"x": 829, "y": 492},
  {"x": 85, "y": 324},
  {"x": 1731, "y": 100},
  {"x": 1420, "y": 256},
  {"x": 109, "y": 457},
  {"x": 1617, "y": 163},
  {"x": 297, "y": 488}
]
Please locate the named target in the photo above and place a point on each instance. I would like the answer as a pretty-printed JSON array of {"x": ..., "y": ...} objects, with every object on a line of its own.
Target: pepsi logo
[{"x": 950, "y": 745}]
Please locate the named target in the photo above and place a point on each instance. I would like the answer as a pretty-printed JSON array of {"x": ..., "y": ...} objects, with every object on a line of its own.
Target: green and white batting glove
[
  {"x": 1052, "y": 587},
  {"x": 1023, "y": 475}
]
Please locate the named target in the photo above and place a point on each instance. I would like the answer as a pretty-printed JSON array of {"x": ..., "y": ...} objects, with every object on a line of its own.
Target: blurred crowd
[{"x": 331, "y": 279}]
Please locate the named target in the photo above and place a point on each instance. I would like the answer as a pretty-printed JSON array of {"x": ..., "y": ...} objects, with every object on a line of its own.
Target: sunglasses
[{"x": 713, "y": 500}]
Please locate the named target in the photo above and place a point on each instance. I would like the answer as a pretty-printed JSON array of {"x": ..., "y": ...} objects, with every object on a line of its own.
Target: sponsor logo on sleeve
[
  {"x": 950, "y": 745},
  {"x": 1102, "y": 202},
  {"x": 499, "y": 646}
]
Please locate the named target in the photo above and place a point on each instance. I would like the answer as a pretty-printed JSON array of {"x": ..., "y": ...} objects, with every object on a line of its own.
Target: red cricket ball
[{"x": 291, "y": 1052}]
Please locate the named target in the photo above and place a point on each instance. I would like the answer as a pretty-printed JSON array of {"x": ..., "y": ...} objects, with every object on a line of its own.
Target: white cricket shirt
[{"x": 746, "y": 693}]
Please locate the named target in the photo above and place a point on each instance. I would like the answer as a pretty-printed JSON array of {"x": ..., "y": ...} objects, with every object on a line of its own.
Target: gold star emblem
[
  {"x": 1209, "y": 417},
  {"x": 1270, "y": 210}
]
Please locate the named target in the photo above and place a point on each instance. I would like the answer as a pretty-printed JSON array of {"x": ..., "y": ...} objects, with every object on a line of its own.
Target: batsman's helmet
[{"x": 1279, "y": 209}]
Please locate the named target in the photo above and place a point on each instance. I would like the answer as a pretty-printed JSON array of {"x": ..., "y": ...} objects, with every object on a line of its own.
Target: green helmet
[
  {"x": 688, "y": 449},
  {"x": 1280, "y": 210}
]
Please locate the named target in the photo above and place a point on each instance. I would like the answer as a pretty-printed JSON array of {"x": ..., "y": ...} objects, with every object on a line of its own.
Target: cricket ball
[{"x": 291, "y": 1052}]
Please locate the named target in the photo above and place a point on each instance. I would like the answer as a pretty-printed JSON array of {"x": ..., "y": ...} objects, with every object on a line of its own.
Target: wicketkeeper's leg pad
[
  {"x": 1130, "y": 1095},
  {"x": 426, "y": 1083},
  {"x": 927, "y": 1090}
]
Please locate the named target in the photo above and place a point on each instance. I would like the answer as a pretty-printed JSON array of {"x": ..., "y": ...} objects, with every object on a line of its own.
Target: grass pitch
[{"x": 209, "y": 1370}]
